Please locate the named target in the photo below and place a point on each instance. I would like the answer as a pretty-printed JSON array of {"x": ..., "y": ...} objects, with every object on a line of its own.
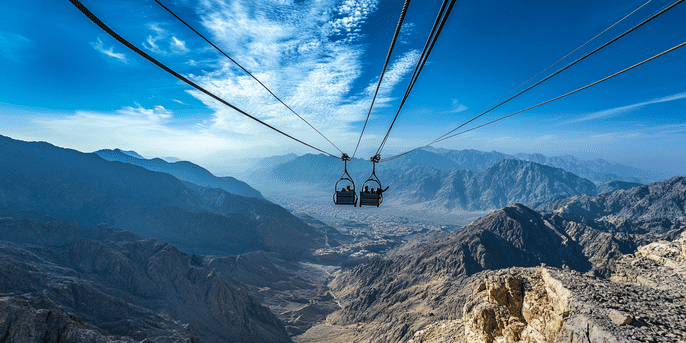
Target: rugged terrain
[
  {"x": 392, "y": 297},
  {"x": 105, "y": 285},
  {"x": 644, "y": 301}
]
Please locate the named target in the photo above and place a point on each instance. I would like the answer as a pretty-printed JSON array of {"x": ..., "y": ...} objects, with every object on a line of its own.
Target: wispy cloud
[
  {"x": 457, "y": 107},
  {"x": 613, "y": 112},
  {"x": 12, "y": 45},
  {"x": 99, "y": 46},
  {"x": 163, "y": 42},
  {"x": 406, "y": 32},
  {"x": 308, "y": 54},
  {"x": 152, "y": 128}
]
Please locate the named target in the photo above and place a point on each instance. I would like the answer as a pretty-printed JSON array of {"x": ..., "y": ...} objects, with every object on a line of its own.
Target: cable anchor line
[
  {"x": 645, "y": 21},
  {"x": 388, "y": 57},
  {"x": 246, "y": 71},
  {"x": 566, "y": 67},
  {"x": 560, "y": 60},
  {"x": 547, "y": 101},
  {"x": 128, "y": 44}
]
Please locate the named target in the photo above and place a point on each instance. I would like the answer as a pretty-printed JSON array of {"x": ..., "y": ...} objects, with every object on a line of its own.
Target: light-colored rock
[{"x": 619, "y": 317}]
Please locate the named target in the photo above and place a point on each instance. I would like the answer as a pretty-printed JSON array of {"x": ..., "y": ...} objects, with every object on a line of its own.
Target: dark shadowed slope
[
  {"x": 185, "y": 171},
  {"x": 116, "y": 284},
  {"x": 89, "y": 190}
]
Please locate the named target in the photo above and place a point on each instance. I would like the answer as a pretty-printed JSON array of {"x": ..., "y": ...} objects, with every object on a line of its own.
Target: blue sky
[{"x": 67, "y": 82}]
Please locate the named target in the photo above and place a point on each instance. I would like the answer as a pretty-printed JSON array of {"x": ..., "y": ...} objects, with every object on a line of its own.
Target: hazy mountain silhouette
[
  {"x": 132, "y": 154},
  {"x": 89, "y": 190},
  {"x": 104, "y": 282},
  {"x": 597, "y": 170},
  {"x": 183, "y": 170}
]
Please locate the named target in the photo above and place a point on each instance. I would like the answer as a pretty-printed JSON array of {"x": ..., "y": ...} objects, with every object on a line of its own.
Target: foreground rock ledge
[{"x": 645, "y": 301}]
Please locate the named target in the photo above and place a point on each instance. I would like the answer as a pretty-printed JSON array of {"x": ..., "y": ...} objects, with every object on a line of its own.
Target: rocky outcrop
[
  {"x": 30, "y": 320},
  {"x": 659, "y": 265},
  {"x": 644, "y": 301}
]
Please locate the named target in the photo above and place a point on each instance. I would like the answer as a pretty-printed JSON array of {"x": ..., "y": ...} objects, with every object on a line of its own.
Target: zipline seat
[{"x": 345, "y": 197}]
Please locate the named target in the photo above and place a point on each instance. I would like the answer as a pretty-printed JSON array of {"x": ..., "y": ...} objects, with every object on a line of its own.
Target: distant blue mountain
[
  {"x": 132, "y": 154},
  {"x": 506, "y": 181},
  {"x": 89, "y": 190},
  {"x": 183, "y": 170},
  {"x": 598, "y": 170}
]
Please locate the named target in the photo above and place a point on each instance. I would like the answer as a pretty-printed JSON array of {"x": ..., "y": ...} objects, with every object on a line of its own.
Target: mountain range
[
  {"x": 182, "y": 170},
  {"x": 391, "y": 297},
  {"x": 425, "y": 178},
  {"x": 88, "y": 190}
]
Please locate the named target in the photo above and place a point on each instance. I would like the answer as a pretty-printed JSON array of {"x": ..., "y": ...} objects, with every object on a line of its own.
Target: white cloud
[
  {"x": 162, "y": 43},
  {"x": 149, "y": 131},
  {"x": 99, "y": 46},
  {"x": 307, "y": 54},
  {"x": 612, "y": 112}
]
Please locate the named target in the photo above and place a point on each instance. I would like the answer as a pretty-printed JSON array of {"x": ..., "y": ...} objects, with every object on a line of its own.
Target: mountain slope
[
  {"x": 122, "y": 285},
  {"x": 183, "y": 170},
  {"x": 657, "y": 207},
  {"x": 390, "y": 298},
  {"x": 505, "y": 182},
  {"x": 89, "y": 190}
]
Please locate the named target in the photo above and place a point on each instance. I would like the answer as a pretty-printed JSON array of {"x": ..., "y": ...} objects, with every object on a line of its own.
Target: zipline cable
[
  {"x": 246, "y": 71},
  {"x": 560, "y": 60},
  {"x": 388, "y": 57},
  {"x": 441, "y": 19},
  {"x": 545, "y": 102},
  {"x": 568, "y": 66},
  {"x": 121, "y": 40}
]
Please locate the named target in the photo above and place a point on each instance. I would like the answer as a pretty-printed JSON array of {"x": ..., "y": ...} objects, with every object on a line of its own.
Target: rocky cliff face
[
  {"x": 642, "y": 302},
  {"x": 114, "y": 283}
]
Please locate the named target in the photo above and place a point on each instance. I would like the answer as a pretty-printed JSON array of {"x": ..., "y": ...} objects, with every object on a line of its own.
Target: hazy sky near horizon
[{"x": 67, "y": 82}]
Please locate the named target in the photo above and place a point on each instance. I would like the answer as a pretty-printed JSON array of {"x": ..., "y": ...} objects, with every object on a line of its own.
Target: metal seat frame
[
  {"x": 369, "y": 198},
  {"x": 338, "y": 196}
]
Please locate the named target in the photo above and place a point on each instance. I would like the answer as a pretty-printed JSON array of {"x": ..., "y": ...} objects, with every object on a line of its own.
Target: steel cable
[
  {"x": 121, "y": 40},
  {"x": 388, "y": 57},
  {"x": 246, "y": 71}
]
